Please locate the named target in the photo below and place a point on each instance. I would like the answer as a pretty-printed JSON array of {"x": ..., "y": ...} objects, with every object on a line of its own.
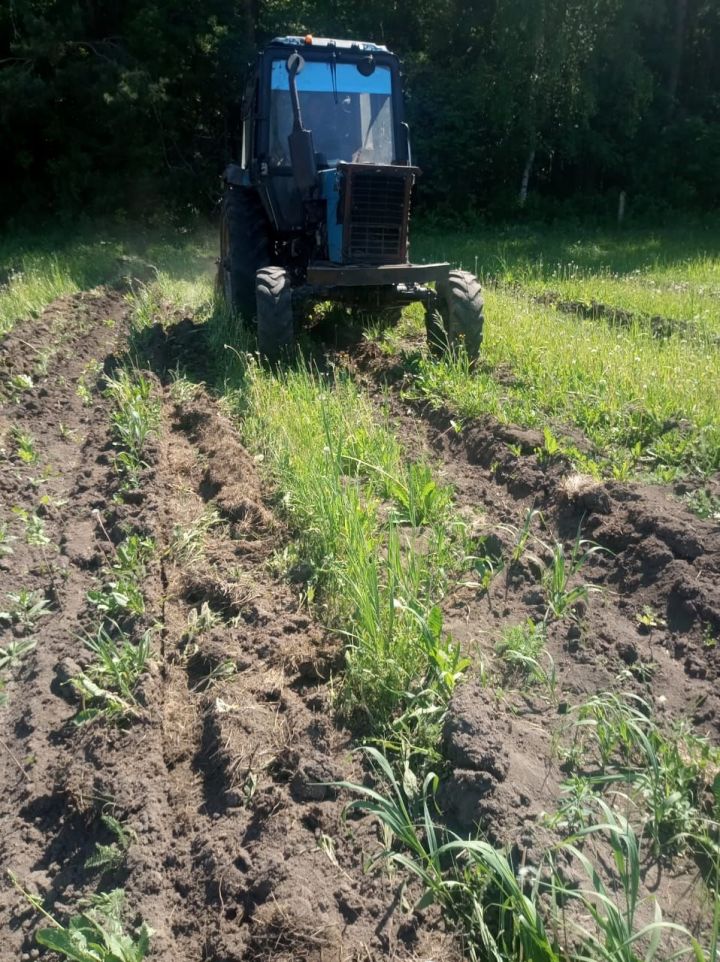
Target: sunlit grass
[
  {"x": 37, "y": 269},
  {"x": 646, "y": 403},
  {"x": 643, "y": 402}
]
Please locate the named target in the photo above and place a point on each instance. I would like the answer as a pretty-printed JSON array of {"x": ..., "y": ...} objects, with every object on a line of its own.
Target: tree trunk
[
  {"x": 522, "y": 196},
  {"x": 676, "y": 53}
]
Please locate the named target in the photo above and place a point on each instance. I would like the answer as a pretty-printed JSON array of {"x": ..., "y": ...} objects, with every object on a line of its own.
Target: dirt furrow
[
  {"x": 238, "y": 848},
  {"x": 649, "y": 626}
]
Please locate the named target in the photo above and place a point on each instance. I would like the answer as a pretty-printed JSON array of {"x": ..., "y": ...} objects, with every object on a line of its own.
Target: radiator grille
[{"x": 376, "y": 228}]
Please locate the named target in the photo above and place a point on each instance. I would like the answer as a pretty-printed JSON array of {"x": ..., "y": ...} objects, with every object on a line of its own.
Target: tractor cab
[{"x": 317, "y": 204}]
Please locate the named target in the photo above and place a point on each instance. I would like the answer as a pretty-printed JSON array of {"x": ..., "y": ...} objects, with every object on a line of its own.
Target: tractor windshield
[{"x": 350, "y": 115}]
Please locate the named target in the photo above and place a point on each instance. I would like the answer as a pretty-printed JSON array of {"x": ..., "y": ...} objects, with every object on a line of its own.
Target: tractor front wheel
[
  {"x": 459, "y": 316},
  {"x": 274, "y": 308}
]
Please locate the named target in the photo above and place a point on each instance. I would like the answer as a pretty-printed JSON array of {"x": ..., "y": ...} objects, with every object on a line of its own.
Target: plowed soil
[{"x": 240, "y": 849}]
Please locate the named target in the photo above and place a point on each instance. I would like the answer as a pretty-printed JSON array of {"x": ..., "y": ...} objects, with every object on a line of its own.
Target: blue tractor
[{"x": 316, "y": 202}]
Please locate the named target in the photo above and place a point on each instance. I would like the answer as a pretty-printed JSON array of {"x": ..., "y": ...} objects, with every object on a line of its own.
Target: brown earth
[
  {"x": 239, "y": 849},
  {"x": 660, "y": 557}
]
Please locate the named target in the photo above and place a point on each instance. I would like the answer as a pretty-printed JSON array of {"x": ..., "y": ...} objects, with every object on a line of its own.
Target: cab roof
[{"x": 359, "y": 45}]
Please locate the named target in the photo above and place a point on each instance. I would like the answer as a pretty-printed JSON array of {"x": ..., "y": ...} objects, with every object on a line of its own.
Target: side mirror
[
  {"x": 302, "y": 158},
  {"x": 300, "y": 141},
  {"x": 294, "y": 63}
]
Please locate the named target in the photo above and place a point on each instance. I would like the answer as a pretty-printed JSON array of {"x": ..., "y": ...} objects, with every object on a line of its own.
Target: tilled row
[{"x": 221, "y": 776}]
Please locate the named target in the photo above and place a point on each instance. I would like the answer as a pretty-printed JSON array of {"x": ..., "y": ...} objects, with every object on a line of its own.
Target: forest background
[{"x": 125, "y": 107}]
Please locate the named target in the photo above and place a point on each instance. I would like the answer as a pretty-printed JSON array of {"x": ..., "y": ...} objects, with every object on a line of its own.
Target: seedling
[
  {"x": 13, "y": 653},
  {"x": 523, "y": 536},
  {"x": 118, "y": 598},
  {"x": 704, "y": 504},
  {"x": 97, "y": 934},
  {"x": 668, "y": 775},
  {"x": 107, "y": 686},
  {"x": 188, "y": 541},
  {"x": 25, "y": 447},
  {"x": 135, "y": 417},
  {"x": 6, "y": 540},
  {"x": 20, "y": 383},
  {"x": 25, "y": 608},
  {"x": 182, "y": 389},
  {"x": 132, "y": 555},
  {"x": 199, "y": 621},
  {"x": 522, "y": 648},
  {"x": 109, "y": 858},
  {"x": 84, "y": 392},
  {"x": 559, "y": 572},
  {"x": 649, "y": 618},
  {"x": 34, "y": 527},
  {"x": 221, "y": 672},
  {"x": 550, "y": 448}
]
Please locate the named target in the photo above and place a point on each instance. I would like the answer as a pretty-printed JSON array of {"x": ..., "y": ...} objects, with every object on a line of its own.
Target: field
[{"x": 371, "y": 656}]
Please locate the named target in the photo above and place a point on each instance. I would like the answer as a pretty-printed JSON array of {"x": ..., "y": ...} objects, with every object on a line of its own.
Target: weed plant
[
  {"x": 12, "y": 654},
  {"x": 504, "y": 914},
  {"x": 673, "y": 778},
  {"x": 6, "y": 541},
  {"x": 134, "y": 418},
  {"x": 631, "y": 393},
  {"x": 109, "y": 858},
  {"x": 34, "y": 525},
  {"x": 121, "y": 594},
  {"x": 25, "y": 608},
  {"x": 107, "y": 686},
  {"x": 373, "y": 536},
  {"x": 557, "y": 576},
  {"x": 96, "y": 934}
]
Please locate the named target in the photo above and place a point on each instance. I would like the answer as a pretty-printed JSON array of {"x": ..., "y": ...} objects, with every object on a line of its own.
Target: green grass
[
  {"x": 35, "y": 269},
  {"x": 374, "y": 536},
  {"x": 647, "y": 404}
]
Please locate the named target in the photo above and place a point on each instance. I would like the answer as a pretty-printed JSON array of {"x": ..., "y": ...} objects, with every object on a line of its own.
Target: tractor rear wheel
[
  {"x": 244, "y": 248},
  {"x": 275, "y": 320},
  {"x": 459, "y": 318}
]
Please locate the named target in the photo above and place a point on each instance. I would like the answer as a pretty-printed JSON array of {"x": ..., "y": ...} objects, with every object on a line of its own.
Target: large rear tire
[
  {"x": 459, "y": 318},
  {"x": 244, "y": 249},
  {"x": 275, "y": 320}
]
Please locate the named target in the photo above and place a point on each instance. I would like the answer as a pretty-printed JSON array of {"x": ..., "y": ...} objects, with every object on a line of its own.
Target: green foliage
[
  {"x": 13, "y": 653},
  {"x": 674, "y": 777},
  {"x": 109, "y": 112},
  {"x": 473, "y": 883},
  {"x": 506, "y": 914},
  {"x": 107, "y": 686},
  {"x": 557, "y": 576},
  {"x": 135, "y": 417},
  {"x": 121, "y": 594},
  {"x": 34, "y": 527},
  {"x": 704, "y": 504},
  {"x": 97, "y": 934},
  {"x": 109, "y": 858},
  {"x": 6, "y": 540},
  {"x": 25, "y": 447},
  {"x": 25, "y": 608},
  {"x": 376, "y": 571}
]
